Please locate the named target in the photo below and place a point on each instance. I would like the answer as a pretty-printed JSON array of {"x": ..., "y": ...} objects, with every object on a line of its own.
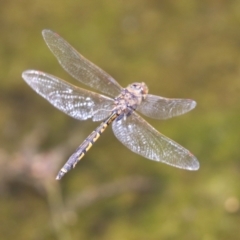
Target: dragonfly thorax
[{"x": 130, "y": 98}]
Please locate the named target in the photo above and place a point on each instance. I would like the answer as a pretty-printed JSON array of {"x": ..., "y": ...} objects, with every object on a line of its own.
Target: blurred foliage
[{"x": 183, "y": 49}]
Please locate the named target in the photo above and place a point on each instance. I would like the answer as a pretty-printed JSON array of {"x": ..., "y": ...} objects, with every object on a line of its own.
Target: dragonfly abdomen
[{"x": 85, "y": 146}]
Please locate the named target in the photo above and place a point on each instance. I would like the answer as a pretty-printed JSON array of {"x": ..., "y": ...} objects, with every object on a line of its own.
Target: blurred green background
[{"x": 182, "y": 49}]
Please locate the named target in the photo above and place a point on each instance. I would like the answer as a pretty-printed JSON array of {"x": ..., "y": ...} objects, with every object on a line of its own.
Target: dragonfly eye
[
  {"x": 135, "y": 85},
  {"x": 140, "y": 88},
  {"x": 144, "y": 89}
]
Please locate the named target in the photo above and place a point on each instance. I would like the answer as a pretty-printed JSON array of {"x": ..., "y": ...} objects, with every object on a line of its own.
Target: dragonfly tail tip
[
  {"x": 57, "y": 178},
  {"x": 60, "y": 174}
]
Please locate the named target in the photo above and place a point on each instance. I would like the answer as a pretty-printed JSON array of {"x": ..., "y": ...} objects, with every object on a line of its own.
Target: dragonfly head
[{"x": 138, "y": 89}]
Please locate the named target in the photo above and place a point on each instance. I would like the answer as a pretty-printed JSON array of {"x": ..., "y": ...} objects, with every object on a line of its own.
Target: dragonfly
[{"x": 115, "y": 105}]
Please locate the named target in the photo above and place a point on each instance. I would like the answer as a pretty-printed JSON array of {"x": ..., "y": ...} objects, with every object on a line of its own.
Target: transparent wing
[
  {"x": 79, "y": 67},
  {"x": 140, "y": 137},
  {"x": 162, "y": 108},
  {"x": 76, "y": 102}
]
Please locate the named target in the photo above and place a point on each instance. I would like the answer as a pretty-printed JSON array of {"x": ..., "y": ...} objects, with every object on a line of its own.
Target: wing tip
[
  {"x": 195, "y": 165},
  {"x": 25, "y": 75},
  {"x": 45, "y": 32},
  {"x": 193, "y": 104}
]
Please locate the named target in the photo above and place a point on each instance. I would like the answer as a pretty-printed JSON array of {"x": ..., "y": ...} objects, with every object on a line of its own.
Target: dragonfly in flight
[{"x": 117, "y": 106}]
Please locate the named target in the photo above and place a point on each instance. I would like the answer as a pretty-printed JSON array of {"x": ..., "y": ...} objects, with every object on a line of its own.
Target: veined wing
[
  {"x": 76, "y": 102},
  {"x": 140, "y": 137},
  {"x": 79, "y": 67},
  {"x": 162, "y": 108}
]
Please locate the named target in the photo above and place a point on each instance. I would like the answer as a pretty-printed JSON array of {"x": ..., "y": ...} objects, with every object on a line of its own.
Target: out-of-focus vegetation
[{"x": 184, "y": 49}]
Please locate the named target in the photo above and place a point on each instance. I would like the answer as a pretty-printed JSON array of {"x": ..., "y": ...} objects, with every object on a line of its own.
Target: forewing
[
  {"x": 79, "y": 67},
  {"x": 162, "y": 108},
  {"x": 76, "y": 102},
  {"x": 140, "y": 137}
]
